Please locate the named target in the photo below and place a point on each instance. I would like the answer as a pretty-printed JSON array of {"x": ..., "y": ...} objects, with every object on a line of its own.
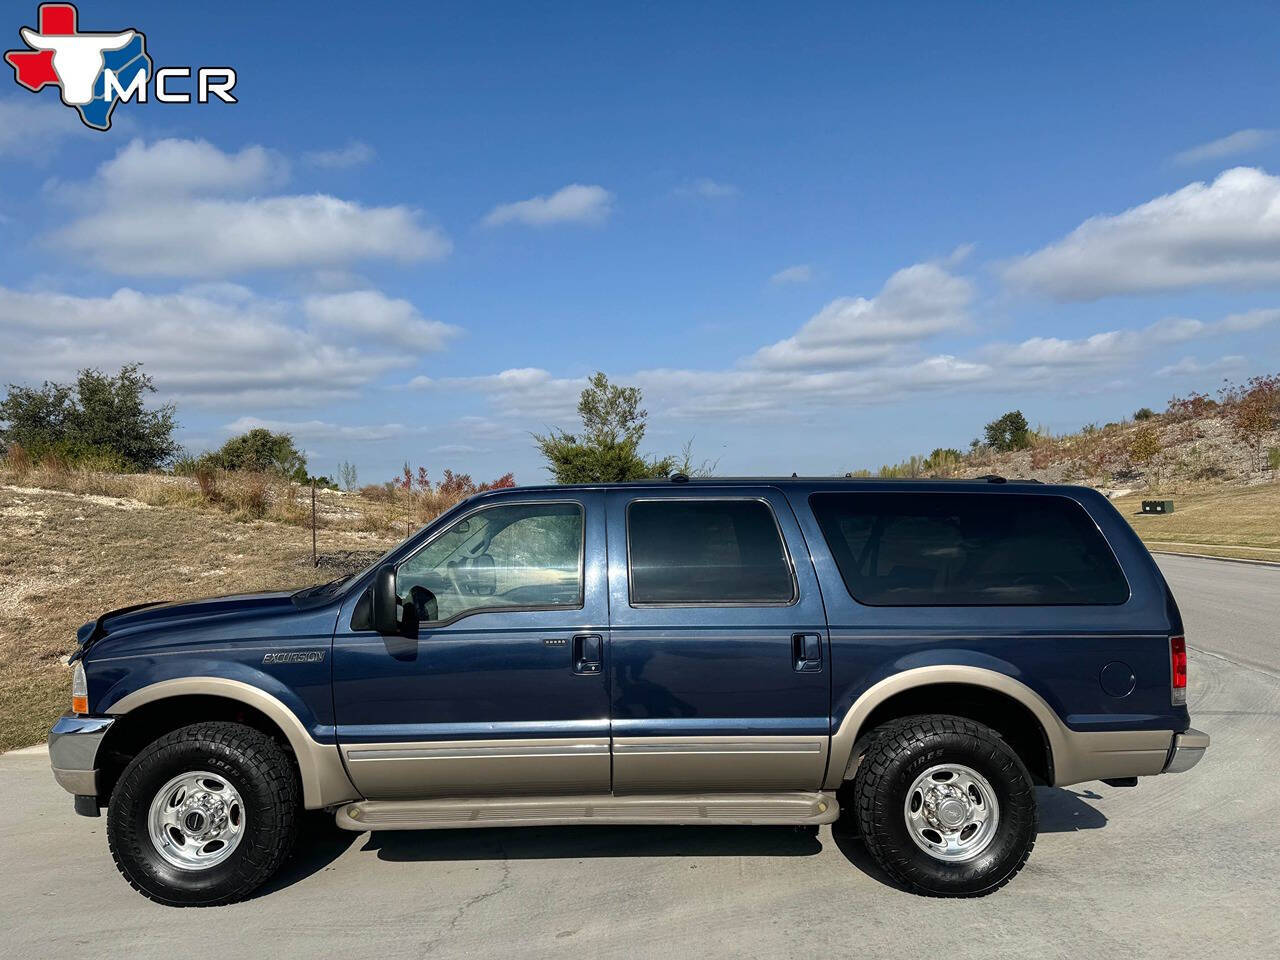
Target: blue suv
[{"x": 910, "y": 657}]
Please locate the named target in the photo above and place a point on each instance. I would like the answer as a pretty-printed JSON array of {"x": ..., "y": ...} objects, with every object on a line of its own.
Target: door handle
[
  {"x": 588, "y": 654},
  {"x": 806, "y": 652}
]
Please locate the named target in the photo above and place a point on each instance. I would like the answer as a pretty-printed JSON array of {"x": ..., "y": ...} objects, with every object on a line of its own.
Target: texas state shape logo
[{"x": 78, "y": 62}]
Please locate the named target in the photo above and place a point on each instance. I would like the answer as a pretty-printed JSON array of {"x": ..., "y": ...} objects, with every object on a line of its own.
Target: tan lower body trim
[
  {"x": 663, "y": 764},
  {"x": 386, "y": 771},
  {"x": 1119, "y": 753},
  {"x": 809, "y": 807},
  {"x": 1076, "y": 757}
]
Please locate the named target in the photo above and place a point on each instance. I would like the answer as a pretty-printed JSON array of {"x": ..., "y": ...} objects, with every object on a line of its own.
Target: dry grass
[
  {"x": 242, "y": 495},
  {"x": 65, "y": 557},
  {"x": 1237, "y": 521}
]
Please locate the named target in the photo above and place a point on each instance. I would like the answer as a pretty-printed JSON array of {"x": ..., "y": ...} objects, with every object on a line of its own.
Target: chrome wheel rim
[
  {"x": 952, "y": 812},
  {"x": 196, "y": 820}
]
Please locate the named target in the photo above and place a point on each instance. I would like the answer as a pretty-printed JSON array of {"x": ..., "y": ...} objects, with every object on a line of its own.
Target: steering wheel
[{"x": 424, "y": 601}]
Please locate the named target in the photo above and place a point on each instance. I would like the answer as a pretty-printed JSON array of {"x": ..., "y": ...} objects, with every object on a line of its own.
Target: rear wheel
[
  {"x": 945, "y": 806},
  {"x": 203, "y": 815}
]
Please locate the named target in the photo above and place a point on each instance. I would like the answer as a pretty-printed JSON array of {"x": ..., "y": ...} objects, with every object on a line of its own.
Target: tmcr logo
[{"x": 96, "y": 71}]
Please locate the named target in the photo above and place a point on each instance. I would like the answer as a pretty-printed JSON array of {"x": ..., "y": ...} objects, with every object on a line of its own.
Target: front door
[
  {"x": 720, "y": 679},
  {"x": 505, "y": 689}
]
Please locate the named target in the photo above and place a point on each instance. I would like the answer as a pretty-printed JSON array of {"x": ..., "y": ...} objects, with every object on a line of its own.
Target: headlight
[{"x": 79, "y": 690}]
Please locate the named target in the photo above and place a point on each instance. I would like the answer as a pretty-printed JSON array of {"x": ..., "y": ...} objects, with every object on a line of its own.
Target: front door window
[{"x": 526, "y": 556}]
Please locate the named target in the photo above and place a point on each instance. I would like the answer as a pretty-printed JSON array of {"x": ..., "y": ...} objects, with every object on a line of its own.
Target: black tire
[
  {"x": 896, "y": 755},
  {"x": 260, "y": 771}
]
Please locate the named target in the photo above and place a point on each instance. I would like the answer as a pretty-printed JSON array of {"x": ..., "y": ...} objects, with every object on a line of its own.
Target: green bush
[
  {"x": 1143, "y": 413},
  {"x": 258, "y": 451},
  {"x": 1009, "y": 432},
  {"x": 100, "y": 421},
  {"x": 1273, "y": 459}
]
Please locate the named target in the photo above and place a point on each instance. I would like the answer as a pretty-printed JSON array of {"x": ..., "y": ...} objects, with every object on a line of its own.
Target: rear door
[
  {"x": 505, "y": 689},
  {"x": 719, "y": 667}
]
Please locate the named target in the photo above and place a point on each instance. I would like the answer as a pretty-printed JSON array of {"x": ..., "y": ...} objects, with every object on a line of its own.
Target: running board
[{"x": 800, "y": 808}]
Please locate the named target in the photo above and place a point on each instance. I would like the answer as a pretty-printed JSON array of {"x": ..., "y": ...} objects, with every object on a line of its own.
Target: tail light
[{"x": 1178, "y": 668}]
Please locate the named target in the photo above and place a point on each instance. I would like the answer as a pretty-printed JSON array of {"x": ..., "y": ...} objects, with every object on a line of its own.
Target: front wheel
[
  {"x": 945, "y": 806},
  {"x": 203, "y": 815}
]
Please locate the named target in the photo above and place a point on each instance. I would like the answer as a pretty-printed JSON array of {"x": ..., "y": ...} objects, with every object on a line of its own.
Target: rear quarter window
[{"x": 966, "y": 549}]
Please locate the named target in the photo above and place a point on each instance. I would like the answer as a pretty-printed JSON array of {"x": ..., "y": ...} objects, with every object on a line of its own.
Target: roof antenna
[{"x": 679, "y": 478}]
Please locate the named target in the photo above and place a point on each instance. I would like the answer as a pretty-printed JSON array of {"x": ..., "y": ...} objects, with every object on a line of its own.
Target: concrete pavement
[{"x": 1181, "y": 866}]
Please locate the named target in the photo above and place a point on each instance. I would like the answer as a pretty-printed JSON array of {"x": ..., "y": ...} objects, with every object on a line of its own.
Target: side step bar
[{"x": 800, "y": 808}]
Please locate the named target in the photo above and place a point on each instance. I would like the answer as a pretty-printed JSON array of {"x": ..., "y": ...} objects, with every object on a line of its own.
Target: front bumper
[
  {"x": 74, "y": 742},
  {"x": 1186, "y": 751}
]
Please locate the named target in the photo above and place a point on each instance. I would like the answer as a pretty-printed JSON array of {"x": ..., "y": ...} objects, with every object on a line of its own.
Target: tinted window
[
  {"x": 956, "y": 549},
  {"x": 706, "y": 551},
  {"x": 521, "y": 555}
]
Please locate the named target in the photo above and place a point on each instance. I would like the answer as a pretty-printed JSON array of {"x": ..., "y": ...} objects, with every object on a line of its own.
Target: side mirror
[{"x": 384, "y": 616}]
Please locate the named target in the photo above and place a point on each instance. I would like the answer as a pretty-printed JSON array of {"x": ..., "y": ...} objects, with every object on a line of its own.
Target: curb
[
  {"x": 1205, "y": 556},
  {"x": 35, "y": 751}
]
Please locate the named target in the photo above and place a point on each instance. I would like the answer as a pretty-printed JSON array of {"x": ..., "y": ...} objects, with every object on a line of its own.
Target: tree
[
  {"x": 99, "y": 415},
  {"x": 1143, "y": 413},
  {"x": 261, "y": 451},
  {"x": 607, "y": 448},
  {"x": 1252, "y": 409},
  {"x": 1009, "y": 432},
  {"x": 347, "y": 471},
  {"x": 1144, "y": 448}
]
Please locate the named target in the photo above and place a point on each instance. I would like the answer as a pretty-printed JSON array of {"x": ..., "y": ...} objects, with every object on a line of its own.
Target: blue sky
[{"x": 819, "y": 237}]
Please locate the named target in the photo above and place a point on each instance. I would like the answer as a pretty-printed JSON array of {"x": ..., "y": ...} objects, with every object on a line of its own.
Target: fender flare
[
  {"x": 1057, "y": 735},
  {"x": 324, "y": 778}
]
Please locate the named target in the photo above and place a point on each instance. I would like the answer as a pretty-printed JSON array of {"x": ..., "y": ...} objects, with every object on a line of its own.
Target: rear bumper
[
  {"x": 74, "y": 742},
  {"x": 1186, "y": 751}
]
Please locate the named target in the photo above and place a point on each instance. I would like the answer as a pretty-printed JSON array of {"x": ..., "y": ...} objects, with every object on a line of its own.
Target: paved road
[{"x": 1179, "y": 867}]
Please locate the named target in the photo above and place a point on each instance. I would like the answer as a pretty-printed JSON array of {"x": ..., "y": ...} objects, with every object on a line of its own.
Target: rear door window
[
  {"x": 958, "y": 549},
  {"x": 707, "y": 552}
]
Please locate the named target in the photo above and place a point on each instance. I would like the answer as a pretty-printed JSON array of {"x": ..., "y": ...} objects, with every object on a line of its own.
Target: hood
[{"x": 193, "y": 613}]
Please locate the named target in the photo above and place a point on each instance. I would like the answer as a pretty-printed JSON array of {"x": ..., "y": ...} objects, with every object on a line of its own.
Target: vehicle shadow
[
  {"x": 321, "y": 842},
  {"x": 576, "y": 843},
  {"x": 1061, "y": 811}
]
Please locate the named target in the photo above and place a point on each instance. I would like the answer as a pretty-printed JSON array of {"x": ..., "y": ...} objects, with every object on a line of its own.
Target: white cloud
[
  {"x": 528, "y": 392},
  {"x": 354, "y": 154},
  {"x": 800, "y": 273},
  {"x": 184, "y": 208},
  {"x": 707, "y": 189},
  {"x": 312, "y": 431},
  {"x": 1233, "y": 144},
  {"x": 1223, "y": 233},
  {"x": 211, "y": 347},
  {"x": 915, "y": 303},
  {"x": 30, "y": 127},
  {"x": 214, "y": 238},
  {"x": 1190, "y": 366},
  {"x": 1043, "y": 356},
  {"x": 572, "y": 204},
  {"x": 189, "y": 168},
  {"x": 374, "y": 318}
]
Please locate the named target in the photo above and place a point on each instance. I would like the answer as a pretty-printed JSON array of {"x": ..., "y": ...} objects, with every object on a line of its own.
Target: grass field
[
  {"x": 1242, "y": 522},
  {"x": 65, "y": 558}
]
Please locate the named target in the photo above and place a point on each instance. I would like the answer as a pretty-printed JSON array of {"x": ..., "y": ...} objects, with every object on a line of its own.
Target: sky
[{"x": 819, "y": 237}]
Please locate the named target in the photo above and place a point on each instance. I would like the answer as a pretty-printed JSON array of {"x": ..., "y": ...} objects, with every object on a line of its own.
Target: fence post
[{"x": 315, "y": 557}]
